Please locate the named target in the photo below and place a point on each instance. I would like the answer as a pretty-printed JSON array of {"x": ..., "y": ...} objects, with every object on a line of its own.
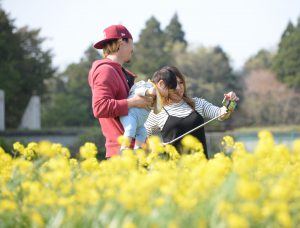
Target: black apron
[{"x": 177, "y": 126}]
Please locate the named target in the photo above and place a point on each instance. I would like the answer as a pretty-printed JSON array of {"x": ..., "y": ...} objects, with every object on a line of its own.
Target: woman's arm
[
  {"x": 206, "y": 109},
  {"x": 210, "y": 111}
]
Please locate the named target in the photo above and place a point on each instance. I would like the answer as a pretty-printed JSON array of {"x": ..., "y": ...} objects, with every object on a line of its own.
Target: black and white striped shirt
[{"x": 155, "y": 123}]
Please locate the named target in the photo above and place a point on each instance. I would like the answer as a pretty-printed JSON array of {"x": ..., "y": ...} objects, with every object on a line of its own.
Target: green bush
[{"x": 6, "y": 145}]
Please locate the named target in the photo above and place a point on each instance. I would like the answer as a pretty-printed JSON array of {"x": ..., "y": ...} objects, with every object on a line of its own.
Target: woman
[{"x": 181, "y": 113}]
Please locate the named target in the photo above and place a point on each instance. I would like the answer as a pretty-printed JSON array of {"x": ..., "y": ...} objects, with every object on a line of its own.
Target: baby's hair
[
  {"x": 178, "y": 74},
  {"x": 168, "y": 77}
]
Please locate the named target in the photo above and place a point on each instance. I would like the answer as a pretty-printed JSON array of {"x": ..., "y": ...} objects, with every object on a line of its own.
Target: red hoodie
[{"x": 110, "y": 91}]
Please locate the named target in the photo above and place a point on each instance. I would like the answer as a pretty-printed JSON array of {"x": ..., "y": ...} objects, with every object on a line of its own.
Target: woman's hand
[
  {"x": 224, "y": 114},
  {"x": 230, "y": 100}
]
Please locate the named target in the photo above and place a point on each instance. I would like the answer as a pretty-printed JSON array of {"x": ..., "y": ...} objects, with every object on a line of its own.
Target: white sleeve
[{"x": 206, "y": 109}]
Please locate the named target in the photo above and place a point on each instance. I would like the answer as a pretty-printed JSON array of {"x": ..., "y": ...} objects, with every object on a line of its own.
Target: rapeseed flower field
[{"x": 41, "y": 186}]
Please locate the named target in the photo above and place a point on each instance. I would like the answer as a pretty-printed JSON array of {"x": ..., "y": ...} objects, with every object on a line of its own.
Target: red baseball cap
[{"x": 113, "y": 32}]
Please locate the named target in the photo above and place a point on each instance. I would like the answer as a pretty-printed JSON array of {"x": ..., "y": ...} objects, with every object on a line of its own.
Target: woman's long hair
[{"x": 178, "y": 74}]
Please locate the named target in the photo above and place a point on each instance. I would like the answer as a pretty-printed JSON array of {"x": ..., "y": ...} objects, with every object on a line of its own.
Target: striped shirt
[{"x": 155, "y": 123}]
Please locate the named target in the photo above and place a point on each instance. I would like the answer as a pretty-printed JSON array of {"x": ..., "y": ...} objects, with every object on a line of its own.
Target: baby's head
[{"x": 165, "y": 80}]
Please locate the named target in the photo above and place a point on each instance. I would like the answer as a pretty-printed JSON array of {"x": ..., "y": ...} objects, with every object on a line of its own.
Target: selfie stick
[
  {"x": 230, "y": 105},
  {"x": 194, "y": 129}
]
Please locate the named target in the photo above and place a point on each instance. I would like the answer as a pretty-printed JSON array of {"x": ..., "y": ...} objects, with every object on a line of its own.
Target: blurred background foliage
[{"x": 268, "y": 84}]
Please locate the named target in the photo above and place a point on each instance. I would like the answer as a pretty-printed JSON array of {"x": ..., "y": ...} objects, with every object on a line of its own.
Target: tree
[
  {"x": 262, "y": 60},
  {"x": 287, "y": 60},
  {"x": 24, "y": 67},
  {"x": 174, "y": 32},
  {"x": 70, "y": 103},
  {"x": 150, "y": 54},
  {"x": 208, "y": 71},
  {"x": 288, "y": 31},
  {"x": 269, "y": 101}
]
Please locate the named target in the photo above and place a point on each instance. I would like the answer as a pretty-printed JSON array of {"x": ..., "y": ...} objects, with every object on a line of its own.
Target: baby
[{"x": 133, "y": 123}]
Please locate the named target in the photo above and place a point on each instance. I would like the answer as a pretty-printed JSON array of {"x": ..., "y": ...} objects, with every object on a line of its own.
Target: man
[{"x": 110, "y": 84}]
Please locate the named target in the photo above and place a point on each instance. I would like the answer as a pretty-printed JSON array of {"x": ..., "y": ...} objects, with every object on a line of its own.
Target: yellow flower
[
  {"x": 224, "y": 208},
  {"x": 237, "y": 221},
  {"x": 173, "y": 224},
  {"x": 189, "y": 141},
  {"x": 37, "y": 219},
  {"x": 44, "y": 149},
  {"x": 141, "y": 185},
  {"x": 155, "y": 145},
  {"x": 191, "y": 145},
  {"x": 265, "y": 144},
  {"x": 171, "y": 150},
  {"x": 7, "y": 205},
  {"x": 124, "y": 141},
  {"x": 251, "y": 209},
  {"x": 32, "y": 146},
  {"x": 2, "y": 151},
  {"x": 88, "y": 150},
  {"x": 18, "y": 147},
  {"x": 65, "y": 152},
  {"x": 248, "y": 189},
  {"x": 296, "y": 146},
  {"x": 228, "y": 141},
  {"x": 228, "y": 144},
  {"x": 129, "y": 225},
  {"x": 202, "y": 223},
  {"x": 284, "y": 219},
  {"x": 73, "y": 163},
  {"x": 127, "y": 152},
  {"x": 89, "y": 164},
  {"x": 22, "y": 165},
  {"x": 280, "y": 191},
  {"x": 267, "y": 209},
  {"x": 159, "y": 202}
]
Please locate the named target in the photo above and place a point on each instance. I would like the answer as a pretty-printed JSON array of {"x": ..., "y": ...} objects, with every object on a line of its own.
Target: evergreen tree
[
  {"x": 70, "y": 103},
  {"x": 262, "y": 60},
  {"x": 150, "y": 54},
  {"x": 287, "y": 60},
  {"x": 24, "y": 67},
  {"x": 208, "y": 73},
  {"x": 289, "y": 30},
  {"x": 174, "y": 32}
]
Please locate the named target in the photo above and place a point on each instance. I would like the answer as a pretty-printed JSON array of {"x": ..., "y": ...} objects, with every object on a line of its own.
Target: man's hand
[{"x": 140, "y": 102}]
